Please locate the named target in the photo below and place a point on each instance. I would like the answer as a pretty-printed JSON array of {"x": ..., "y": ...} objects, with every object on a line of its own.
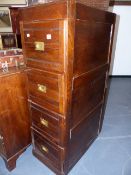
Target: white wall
[
  {"x": 122, "y": 55},
  {"x": 12, "y": 2}
]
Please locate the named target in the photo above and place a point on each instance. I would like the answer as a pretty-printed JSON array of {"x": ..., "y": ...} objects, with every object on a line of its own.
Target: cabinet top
[{"x": 64, "y": 10}]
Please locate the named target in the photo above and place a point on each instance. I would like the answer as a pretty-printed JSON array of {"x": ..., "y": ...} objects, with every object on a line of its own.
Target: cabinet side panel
[
  {"x": 92, "y": 41},
  {"x": 88, "y": 90},
  {"x": 84, "y": 12},
  {"x": 83, "y": 135},
  {"x": 92, "y": 54}
]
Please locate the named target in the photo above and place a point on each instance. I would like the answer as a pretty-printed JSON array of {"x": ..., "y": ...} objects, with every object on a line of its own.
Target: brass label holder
[
  {"x": 44, "y": 122},
  {"x": 39, "y": 46},
  {"x": 44, "y": 149},
  {"x": 42, "y": 88}
]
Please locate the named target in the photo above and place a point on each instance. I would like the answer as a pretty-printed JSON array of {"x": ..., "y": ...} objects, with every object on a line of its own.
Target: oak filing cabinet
[{"x": 67, "y": 47}]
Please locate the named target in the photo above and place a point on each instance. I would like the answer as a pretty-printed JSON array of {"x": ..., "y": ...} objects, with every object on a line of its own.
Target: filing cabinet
[{"x": 67, "y": 46}]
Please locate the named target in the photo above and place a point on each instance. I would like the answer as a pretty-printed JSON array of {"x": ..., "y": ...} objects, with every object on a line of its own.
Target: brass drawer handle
[
  {"x": 41, "y": 88},
  {"x": 44, "y": 149},
  {"x": 40, "y": 46},
  {"x": 44, "y": 122}
]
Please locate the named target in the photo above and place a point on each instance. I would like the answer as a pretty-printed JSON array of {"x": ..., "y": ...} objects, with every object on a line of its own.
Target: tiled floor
[{"x": 110, "y": 154}]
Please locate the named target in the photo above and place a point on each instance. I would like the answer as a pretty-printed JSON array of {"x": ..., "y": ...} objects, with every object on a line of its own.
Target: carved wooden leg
[{"x": 11, "y": 164}]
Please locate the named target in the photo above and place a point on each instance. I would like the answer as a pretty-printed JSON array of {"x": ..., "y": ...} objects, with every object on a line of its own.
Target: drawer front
[
  {"x": 87, "y": 93},
  {"x": 45, "y": 148},
  {"x": 44, "y": 44},
  {"x": 48, "y": 124},
  {"x": 46, "y": 89}
]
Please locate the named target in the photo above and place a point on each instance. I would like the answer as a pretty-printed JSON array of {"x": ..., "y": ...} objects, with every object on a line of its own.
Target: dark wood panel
[
  {"x": 14, "y": 113},
  {"x": 92, "y": 14},
  {"x": 51, "y": 98},
  {"x": 37, "y": 31},
  {"x": 88, "y": 92},
  {"x": 54, "y": 130},
  {"x": 32, "y": 35},
  {"x": 51, "y": 52},
  {"x": 53, "y": 11},
  {"x": 14, "y": 117},
  {"x": 91, "y": 47},
  {"x": 48, "y": 124},
  {"x": 51, "y": 34},
  {"x": 44, "y": 65},
  {"x": 59, "y": 10},
  {"x": 83, "y": 134},
  {"x": 46, "y": 149}
]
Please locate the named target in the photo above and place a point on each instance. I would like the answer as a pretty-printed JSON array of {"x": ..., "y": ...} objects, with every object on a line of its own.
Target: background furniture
[
  {"x": 11, "y": 58},
  {"x": 67, "y": 47},
  {"x": 14, "y": 115},
  {"x": 15, "y": 20}
]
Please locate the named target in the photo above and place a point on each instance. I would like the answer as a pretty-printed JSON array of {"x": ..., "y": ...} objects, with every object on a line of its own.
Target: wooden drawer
[
  {"x": 47, "y": 123},
  {"x": 50, "y": 35},
  {"x": 46, "y": 149},
  {"x": 88, "y": 91},
  {"x": 46, "y": 89},
  {"x": 40, "y": 31}
]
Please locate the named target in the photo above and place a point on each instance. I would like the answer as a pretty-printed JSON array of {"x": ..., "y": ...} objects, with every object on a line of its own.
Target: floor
[{"x": 110, "y": 154}]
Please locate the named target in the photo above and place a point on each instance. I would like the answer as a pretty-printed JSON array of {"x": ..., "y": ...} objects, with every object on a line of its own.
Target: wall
[
  {"x": 121, "y": 65},
  {"x": 5, "y": 29},
  {"x": 17, "y": 3},
  {"x": 12, "y": 2}
]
